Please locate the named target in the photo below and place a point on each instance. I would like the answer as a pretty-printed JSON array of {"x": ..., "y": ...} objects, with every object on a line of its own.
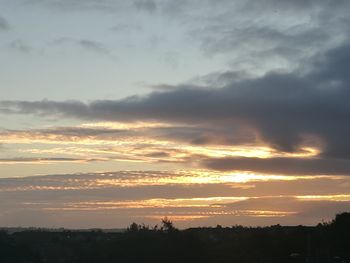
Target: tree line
[{"x": 325, "y": 243}]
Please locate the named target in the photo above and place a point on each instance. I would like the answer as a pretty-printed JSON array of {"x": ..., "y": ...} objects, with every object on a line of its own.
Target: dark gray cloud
[
  {"x": 4, "y": 25},
  {"x": 283, "y": 109},
  {"x": 205, "y": 135},
  {"x": 263, "y": 35},
  {"x": 292, "y": 166}
]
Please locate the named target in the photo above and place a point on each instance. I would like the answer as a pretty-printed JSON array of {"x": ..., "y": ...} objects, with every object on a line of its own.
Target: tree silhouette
[
  {"x": 133, "y": 227},
  {"x": 325, "y": 243},
  {"x": 167, "y": 225}
]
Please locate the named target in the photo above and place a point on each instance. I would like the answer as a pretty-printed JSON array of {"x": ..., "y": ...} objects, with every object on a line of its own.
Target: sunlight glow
[
  {"x": 336, "y": 197},
  {"x": 128, "y": 142},
  {"x": 102, "y": 180},
  {"x": 126, "y": 125}
]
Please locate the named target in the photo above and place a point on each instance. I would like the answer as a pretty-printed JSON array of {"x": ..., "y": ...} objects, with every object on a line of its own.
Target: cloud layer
[
  {"x": 284, "y": 110},
  {"x": 115, "y": 199}
]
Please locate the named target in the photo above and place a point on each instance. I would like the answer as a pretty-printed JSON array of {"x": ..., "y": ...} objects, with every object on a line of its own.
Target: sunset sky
[{"x": 205, "y": 111}]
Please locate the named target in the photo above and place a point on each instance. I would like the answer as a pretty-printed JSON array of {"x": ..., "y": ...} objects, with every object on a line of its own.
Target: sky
[{"x": 203, "y": 111}]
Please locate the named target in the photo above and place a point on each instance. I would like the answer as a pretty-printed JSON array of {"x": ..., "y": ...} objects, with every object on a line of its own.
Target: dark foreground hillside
[{"x": 323, "y": 243}]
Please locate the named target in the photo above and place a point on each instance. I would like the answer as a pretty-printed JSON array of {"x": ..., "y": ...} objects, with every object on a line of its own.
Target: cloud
[
  {"x": 80, "y": 5},
  {"x": 107, "y": 6},
  {"x": 86, "y": 44},
  {"x": 93, "y": 193},
  {"x": 143, "y": 194},
  {"x": 305, "y": 210},
  {"x": 264, "y": 35},
  {"x": 93, "y": 46},
  {"x": 150, "y": 143},
  {"x": 146, "y": 5},
  {"x": 4, "y": 25},
  {"x": 257, "y": 36},
  {"x": 116, "y": 132},
  {"x": 22, "y": 160},
  {"x": 292, "y": 5},
  {"x": 20, "y": 46},
  {"x": 292, "y": 166},
  {"x": 285, "y": 110},
  {"x": 126, "y": 28}
]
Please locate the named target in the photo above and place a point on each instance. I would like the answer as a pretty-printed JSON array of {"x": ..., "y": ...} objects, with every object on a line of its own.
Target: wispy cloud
[
  {"x": 147, "y": 5},
  {"x": 39, "y": 160},
  {"x": 4, "y": 25},
  {"x": 93, "y": 46},
  {"x": 21, "y": 46},
  {"x": 86, "y": 44},
  {"x": 126, "y": 28},
  {"x": 150, "y": 195}
]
